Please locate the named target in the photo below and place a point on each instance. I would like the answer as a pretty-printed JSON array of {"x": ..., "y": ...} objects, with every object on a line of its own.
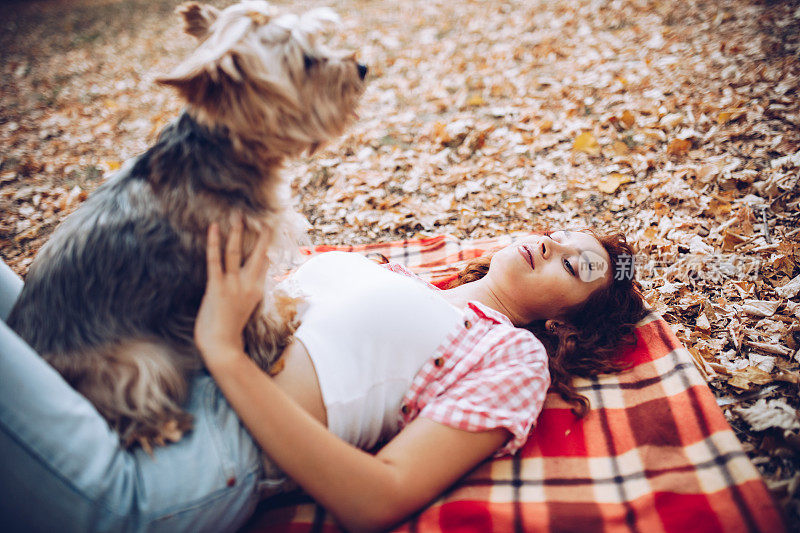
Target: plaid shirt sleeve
[
  {"x": 505, "y": 389},
  {"x": 498, "y": 378}
]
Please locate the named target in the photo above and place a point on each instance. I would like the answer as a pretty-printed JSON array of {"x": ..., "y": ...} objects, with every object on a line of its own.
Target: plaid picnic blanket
[{"x": 654, "y": 454}]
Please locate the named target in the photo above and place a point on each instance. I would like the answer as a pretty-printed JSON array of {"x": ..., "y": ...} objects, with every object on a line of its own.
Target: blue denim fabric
[{"x": 62, "y": 469}]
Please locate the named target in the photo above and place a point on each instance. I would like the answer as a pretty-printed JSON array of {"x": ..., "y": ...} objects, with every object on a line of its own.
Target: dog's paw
[
  {"x": 148, "y": 436},
  {"x": 263, "y": 341},
  {"x": 277, "y": 366},
  {"x": 270, "y": 330}
]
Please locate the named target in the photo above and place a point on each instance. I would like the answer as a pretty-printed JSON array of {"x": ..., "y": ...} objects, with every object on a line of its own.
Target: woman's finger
[
  {"x": 233, "y": 248},
  {"x": 213, "y": 259},
  {"x": 258, "y": 263}
]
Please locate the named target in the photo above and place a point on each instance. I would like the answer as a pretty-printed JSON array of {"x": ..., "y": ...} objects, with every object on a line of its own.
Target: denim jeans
[{"x": 62, "y": 468}]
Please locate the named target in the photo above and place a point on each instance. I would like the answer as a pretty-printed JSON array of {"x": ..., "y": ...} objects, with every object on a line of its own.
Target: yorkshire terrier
[{"x": 111, "y": 299}]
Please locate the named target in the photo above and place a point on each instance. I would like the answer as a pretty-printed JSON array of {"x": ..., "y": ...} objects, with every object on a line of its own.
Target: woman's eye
[{"x": 569, "y": 268}]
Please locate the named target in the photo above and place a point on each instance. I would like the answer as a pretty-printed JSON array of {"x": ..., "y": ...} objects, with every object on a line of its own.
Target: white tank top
[{"x": 368, "y": 332}]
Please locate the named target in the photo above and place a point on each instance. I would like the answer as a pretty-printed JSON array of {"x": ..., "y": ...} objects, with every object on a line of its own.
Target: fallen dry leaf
[
  {"x": 611, "y": 183},
  {"x": 760, "y": 308},
  {"x": 790, "y": 289},
  {"x": 770, "y": 347},
  {"x": 671, "y": 121},
  {"x": 749, "y": 377},
  {"x": 729, "y": 115},
  {"x": 765, "y": 414},
  {"x": 679, "y": 147},
  {"x": 586, "y": 142},
  {"x": 627, "y": 118},
  {"x": 703, "y": 323}
]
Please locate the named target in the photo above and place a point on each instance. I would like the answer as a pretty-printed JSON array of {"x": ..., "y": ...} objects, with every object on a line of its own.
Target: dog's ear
[
  {"x": 195, "y": 87},
  {"x": 197, "y": 18},
  {"x": 203, "y": 84},
  {"x": 215, "y": 85}
]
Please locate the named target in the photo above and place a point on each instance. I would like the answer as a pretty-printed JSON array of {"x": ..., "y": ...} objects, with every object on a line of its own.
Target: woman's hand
[{"x": 232, "y": 293}]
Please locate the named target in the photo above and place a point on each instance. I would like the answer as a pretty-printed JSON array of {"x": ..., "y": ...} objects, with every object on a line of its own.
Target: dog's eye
[{"x": 309, "y": 61}]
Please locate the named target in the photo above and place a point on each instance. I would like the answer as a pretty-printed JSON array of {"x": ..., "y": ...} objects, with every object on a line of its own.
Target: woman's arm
[{"x": 363, "y": 491}]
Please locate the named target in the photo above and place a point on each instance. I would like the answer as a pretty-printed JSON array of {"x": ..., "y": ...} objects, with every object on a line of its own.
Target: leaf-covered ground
[{"x": 676, "y": 122}]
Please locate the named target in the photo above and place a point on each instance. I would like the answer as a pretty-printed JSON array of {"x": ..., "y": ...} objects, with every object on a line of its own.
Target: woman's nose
[
  {"x": 546, "y": 246},
  {"x": 549, "y": 246}
]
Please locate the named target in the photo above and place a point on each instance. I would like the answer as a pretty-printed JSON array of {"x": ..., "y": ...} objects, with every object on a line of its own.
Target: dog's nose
[{"x": 362, "y": 71}]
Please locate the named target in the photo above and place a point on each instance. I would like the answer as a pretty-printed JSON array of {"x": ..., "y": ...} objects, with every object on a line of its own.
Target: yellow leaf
[
  {"x": 475, "y": 100},
  {"x": 113, "y": 165},
  {"x": 585, "y": 142},
  {"x": 729, "y": 114},
  {"x": 612, "y": 182},
  {"x": 545, "y": 126}
]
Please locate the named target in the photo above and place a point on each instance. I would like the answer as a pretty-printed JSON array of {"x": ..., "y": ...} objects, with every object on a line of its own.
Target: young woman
[
  {"x": 445, "y": 378},
  {"x": 476, "y": 394}
]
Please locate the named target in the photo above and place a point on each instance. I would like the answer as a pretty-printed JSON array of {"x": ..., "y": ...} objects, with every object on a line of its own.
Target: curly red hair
[{"x": 585, "y": 343}]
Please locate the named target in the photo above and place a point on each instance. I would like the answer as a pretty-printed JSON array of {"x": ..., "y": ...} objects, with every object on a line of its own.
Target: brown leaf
[
  {"x": 620, "y": 148},
  {"x": 731, "y": 240},
  {"x": 679, "y": 147},
  {"x": 717, "y": 207},
  {"x": 745, "y": 379},
  {"x": 627, "y": 118}
]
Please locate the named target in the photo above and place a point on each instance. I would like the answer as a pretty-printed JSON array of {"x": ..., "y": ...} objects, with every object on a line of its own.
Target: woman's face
[{"x": 544, "y": 277}]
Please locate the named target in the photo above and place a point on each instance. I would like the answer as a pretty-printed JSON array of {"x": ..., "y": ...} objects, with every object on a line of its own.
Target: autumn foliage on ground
[{"x": 675, "y": 122}]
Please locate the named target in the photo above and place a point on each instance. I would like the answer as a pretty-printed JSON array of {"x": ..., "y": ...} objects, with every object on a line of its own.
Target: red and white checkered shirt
[{"x": 487, "y": 374}]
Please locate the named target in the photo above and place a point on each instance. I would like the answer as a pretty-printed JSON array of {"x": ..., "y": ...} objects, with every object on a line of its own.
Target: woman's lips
[{"x": 526, "y": 252}]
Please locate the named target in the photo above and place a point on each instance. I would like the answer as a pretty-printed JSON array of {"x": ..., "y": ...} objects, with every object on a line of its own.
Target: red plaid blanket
[{"x": 654, "y": 454}]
